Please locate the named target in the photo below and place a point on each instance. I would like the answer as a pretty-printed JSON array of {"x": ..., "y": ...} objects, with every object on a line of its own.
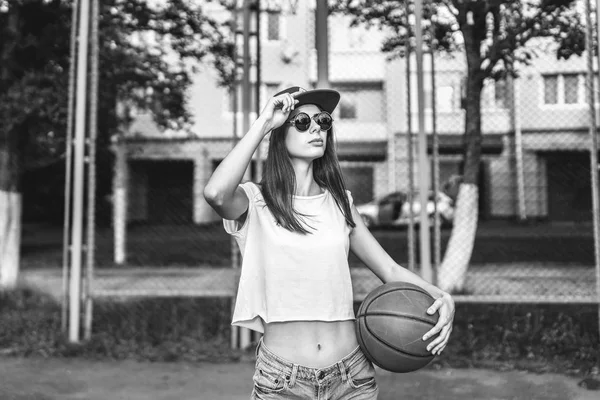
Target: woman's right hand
[{"x": 278, "y": 109}]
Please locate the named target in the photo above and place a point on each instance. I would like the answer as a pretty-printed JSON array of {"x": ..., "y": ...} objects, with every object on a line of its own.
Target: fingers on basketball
[{"x": 435, "y": 306}]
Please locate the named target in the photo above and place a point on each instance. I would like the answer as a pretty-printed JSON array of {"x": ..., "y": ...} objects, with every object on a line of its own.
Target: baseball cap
[{"x": 325, "y": 99}]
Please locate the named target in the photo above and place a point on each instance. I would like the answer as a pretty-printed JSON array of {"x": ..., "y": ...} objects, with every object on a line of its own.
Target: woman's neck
[{"x": 305, "y": 182}]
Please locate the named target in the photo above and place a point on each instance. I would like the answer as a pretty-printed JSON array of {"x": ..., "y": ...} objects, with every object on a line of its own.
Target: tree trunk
[
  {"x": 10, "y": 208},
  {"x": 10, "y": 169},
  {"x": 10, "y": 238},
  {"x": 453, "y": 271}
]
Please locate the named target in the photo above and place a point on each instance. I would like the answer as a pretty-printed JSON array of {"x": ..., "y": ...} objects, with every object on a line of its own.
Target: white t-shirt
[{"x": 289, "y": 276}]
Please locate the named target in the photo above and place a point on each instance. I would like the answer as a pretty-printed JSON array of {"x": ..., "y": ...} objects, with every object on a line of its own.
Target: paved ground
[{"x": 55, "y": 379}]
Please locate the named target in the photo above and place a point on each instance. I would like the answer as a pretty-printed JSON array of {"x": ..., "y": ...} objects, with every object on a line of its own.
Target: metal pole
[
  {"x": 322, "y": 44},
  {"x": 411, "y": 174},
  {"x": 516, "y": 112},
  {"x": 437, "y": 240},
  {"x": 246, "y": 65},
  {"x": 246, "y": 98},
  {"x": 91, "y": 206},
  {"x": 78, "y": 182},
  {"x": 594, "y": 144},
  {"x": 234, "y": 84},
  {"x": 68, "y": 167},
  {"x": 425, "y": 253},
  {"x": 258, "y": 86},
  {"x": 246, "y": 95},
  {"x": 234, "y": 100}
]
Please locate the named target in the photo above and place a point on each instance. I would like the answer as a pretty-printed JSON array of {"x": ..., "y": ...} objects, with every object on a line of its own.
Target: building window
[
  {"x": 427, "y": 98},
  {"x": 495, "y": 94},
  {"x": 564, "y": 88},
  {"x": 571, "y": 83},
  {"x": 500, "y": 94},
  {"x": 551, "y": 89},
  {"x": 273, "y": 25},
  {"x": 360, "y": 101},
  {"x": 347, "y": 109},
  {"x": 445, "y": 98}
]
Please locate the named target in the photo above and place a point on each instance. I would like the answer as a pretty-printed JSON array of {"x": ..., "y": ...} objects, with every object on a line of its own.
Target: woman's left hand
[{"x": 445, "y": 306}]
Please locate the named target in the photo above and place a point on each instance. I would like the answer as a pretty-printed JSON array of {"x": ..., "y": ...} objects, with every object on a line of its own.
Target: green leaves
[
  {"x": 149, "y": 52},
  {"x": 501, "y": 30}
]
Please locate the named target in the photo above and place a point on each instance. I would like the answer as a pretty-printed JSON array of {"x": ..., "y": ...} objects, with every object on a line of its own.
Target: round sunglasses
[{"x": 302, "y": 121}]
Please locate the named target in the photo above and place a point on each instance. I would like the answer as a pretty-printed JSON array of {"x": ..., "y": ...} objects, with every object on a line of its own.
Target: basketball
[{"x": 390, "y": 325}]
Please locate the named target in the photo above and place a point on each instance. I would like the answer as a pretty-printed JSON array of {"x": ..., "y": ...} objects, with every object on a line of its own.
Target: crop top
[{"x": 290, "y": 276}]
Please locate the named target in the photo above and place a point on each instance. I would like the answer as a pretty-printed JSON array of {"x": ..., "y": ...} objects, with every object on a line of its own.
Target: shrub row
[{"x": 558, "y": 338}]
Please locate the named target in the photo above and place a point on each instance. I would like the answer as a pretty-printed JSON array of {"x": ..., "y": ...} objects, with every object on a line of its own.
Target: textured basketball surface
[{"x": 390, "y": 325}]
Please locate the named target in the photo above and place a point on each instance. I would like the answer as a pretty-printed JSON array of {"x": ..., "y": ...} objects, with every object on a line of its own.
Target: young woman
[{"x": 294, "y": 231}]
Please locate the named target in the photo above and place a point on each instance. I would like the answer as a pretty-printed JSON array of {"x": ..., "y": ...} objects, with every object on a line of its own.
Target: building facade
[{"x": 535, "y": 133}]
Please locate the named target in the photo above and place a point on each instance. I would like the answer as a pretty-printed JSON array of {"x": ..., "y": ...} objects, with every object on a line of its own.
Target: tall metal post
[
  {"x": 409, "y": 150},
  {"x": 246, "y": 94},
  {"x": 68, "y": 169},
  {"x": 91, "y": 188},
  {"x": 78, "y": 175},
  {"x": 235, "y": 106},
  {"x": 435, "y": 160},
  {"x": 246, "y": 102},
  {"x": 516, "y": 121},
  {"x": 322, "y": 44},
  {"x": 259, "y": 169},
  {"x": 594, "y": 144},
  {"x": 425, "y": 249}
]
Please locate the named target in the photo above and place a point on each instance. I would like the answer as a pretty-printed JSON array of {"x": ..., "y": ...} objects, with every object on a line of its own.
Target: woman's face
[{"x": 310, "y": 144}]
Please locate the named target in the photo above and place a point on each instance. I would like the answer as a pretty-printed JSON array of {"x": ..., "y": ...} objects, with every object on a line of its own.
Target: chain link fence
[{"x": 156, "y": 236}]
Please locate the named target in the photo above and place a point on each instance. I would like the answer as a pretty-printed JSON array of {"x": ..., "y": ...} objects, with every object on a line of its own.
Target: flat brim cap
[{"x": 325, "y": 99}]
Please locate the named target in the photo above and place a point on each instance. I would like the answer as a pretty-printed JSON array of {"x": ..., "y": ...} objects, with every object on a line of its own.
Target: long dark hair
[{"x": 278, "y": 183}]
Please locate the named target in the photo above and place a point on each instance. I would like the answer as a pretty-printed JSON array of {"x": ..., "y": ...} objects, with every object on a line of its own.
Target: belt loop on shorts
[
  {"x": 294, "y": 374},
  {"x": 258, "y": 347},
  {"x": 342, "y": 368}
]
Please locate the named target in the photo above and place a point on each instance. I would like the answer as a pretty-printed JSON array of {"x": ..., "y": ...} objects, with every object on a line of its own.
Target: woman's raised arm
[{"x": 222, "y": 192}]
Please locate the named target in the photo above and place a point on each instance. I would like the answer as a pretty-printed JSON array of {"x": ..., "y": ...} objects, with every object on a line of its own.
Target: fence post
[
  {"x": 425, "y": 241},
  {"x": 68, "y": 171},
  {"x": 91, "y": 188},
  {"x": 594, "y": 145},
  {"x": 516, "y": 120},
  {"x": 410, "y": 152},
  {"x": 78, "y": 175}
]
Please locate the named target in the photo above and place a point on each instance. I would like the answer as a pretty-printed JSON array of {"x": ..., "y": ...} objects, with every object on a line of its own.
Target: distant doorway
[
  {"x": 359, "y": 181},
  {"x": 569, "y": 186},
  {"x": 170, "y": 191}
]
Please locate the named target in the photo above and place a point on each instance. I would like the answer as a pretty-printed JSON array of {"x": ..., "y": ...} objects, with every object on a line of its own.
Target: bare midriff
[{"x": 314, "y": 344}]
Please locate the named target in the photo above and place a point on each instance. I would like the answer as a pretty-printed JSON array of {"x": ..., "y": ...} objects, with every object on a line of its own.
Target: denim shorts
[{"x": 353, "y": 377}]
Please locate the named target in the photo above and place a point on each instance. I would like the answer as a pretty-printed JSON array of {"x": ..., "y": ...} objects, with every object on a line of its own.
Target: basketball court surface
[{"x": 69, "y": 379}]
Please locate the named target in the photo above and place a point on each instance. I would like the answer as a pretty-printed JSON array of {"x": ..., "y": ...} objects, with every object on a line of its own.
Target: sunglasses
[{"x": 302, "y": 121}]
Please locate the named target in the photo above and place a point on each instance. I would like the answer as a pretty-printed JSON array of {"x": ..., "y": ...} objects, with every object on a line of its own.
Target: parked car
[{"x": 393, "y": 209}]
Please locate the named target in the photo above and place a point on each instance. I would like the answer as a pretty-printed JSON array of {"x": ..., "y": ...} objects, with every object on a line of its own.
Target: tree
[
  {"x": 495, "y": 37},
  {"x": 149, "y": 51}
]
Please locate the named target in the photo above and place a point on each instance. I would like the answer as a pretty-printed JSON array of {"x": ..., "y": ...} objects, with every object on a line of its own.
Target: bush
[
  {"x": 161, "y": 329},
  {"x": 558, "y": 338},
  {"x": 29, "y": 323}
]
